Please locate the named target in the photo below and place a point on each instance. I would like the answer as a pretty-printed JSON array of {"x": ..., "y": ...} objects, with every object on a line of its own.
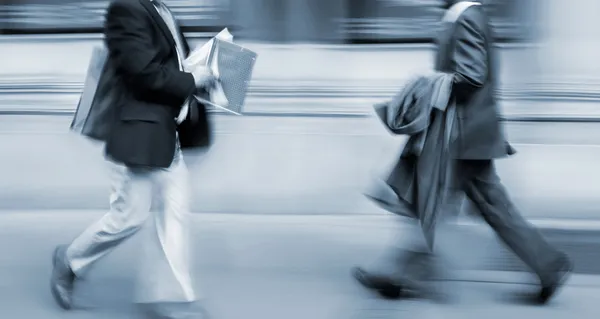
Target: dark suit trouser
[{"x": 478, "y": 180}]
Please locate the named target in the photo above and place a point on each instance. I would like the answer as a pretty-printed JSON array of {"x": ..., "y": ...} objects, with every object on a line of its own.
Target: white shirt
[
  {"x": 172, "y": 27},
  {"x": 457, "y": 9}
]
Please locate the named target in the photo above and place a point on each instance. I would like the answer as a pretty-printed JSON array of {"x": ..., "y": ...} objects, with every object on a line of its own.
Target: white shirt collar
[{"x": 457, "y": 9}]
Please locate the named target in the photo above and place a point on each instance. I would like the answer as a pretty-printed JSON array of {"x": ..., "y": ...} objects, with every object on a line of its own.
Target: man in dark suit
[
  {"x": 157, "y": 116},
  {"x": 465, "y": 50}
]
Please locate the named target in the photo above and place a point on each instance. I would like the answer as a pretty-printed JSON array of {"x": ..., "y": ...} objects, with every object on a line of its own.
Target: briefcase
[
  {"x": 234, "y": 65},
  {"x": 96, "y": 110}
]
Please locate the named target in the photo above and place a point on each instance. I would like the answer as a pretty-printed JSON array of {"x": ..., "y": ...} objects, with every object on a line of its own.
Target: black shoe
[
  {"x": 61, "y": 283},
  {"x": 549, "y": 290},
  {"x": 383, "y": 285}
]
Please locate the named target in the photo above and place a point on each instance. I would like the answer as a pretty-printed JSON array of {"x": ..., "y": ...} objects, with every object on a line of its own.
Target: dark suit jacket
[
  {"x": 465, "y": 49},
  {"x": 151, "y": 87}
]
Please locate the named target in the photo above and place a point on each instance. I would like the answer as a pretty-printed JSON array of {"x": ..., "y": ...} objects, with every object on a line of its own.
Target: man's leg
[
  {"x": 410, "y": 265},
  {"x": 406, "y": 268},
  {"x": 492, "y": 200},
  {"x": 130, "y": 202},
  {"x": 165, "y": 284}
]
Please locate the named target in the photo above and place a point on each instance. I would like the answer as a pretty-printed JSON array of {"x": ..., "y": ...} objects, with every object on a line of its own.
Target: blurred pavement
[
  {"x": 294, "y": 165},
  {"x": 264, "y": 267}
]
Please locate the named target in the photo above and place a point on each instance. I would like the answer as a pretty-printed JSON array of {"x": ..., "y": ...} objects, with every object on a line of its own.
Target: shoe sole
[
  {"x": 359, "y": 276},
  {"x": 561, "y": 282},
  {"x": 558, "y": 285},
  {"x": 388, "y": 291},
  {"x": 62, "y": 303}
]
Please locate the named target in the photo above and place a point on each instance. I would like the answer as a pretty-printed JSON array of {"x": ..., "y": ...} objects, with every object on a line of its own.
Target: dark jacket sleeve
[
  {"x": 128, "y": 38},
  {"x": 470, "y": 55}
]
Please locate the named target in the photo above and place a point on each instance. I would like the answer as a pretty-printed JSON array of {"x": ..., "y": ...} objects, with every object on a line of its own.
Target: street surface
[
  {"x": 293, "y": 165},
  {"x": 258, "y": 267}
]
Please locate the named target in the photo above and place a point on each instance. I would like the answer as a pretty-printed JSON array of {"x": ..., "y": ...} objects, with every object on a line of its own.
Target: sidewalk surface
[
  {"x": 293, "y": 165},
  {"x": 255, "y": 267}
]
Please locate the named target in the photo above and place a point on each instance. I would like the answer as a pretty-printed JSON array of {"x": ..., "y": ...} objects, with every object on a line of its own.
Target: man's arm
[
  {"x": 131, "y": 48},
  {"x": 470, "y": 56}
]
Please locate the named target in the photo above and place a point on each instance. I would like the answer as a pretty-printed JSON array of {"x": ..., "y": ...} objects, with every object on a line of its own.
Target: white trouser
[{"x": 164, "y": 269}]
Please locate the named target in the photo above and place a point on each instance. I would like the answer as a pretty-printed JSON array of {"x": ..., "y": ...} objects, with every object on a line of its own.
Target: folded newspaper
[{"x": 231, "y": 64}]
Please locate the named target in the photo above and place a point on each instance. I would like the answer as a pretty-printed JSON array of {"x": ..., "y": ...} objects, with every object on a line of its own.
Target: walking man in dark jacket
[{"x": 465, "y": 50}]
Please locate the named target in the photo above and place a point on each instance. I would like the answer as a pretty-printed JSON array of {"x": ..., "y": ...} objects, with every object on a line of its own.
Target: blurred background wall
[
  {"x": 568, "y": 37},
  {"x": 311, "y": 104},
  {"x": 350, "y": 21}
]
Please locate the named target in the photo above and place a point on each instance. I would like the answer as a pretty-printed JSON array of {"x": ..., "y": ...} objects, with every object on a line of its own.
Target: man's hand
[{"x": 203, "y": 77}]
